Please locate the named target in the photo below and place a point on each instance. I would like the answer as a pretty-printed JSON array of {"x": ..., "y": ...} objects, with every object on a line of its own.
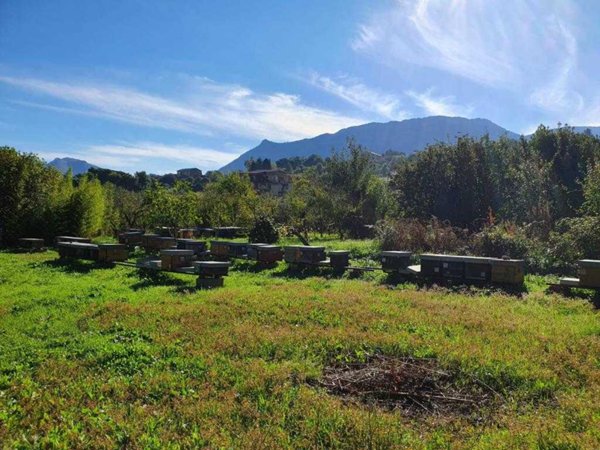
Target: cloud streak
[
  {"x": 439, "y": 106},
  {"x": 208, "y": 108},
  {"x": 356, "y": 93},
  {"x": 133, "y": 155},
  {"x": 526, "y": 46}
]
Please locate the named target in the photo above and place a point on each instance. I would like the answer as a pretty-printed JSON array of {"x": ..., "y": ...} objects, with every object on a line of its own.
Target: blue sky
[{"x": 161, "y": 85}]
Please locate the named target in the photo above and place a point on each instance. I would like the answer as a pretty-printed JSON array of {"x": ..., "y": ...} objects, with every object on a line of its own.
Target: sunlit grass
[{"x": 99, "y": 357}]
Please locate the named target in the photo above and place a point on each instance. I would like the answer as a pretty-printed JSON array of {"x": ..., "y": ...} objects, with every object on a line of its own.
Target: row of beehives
[
  {"x": 133, "y": 235},
  {"x": 461, "y": 268},
  {"x": 82, "y": 248}
]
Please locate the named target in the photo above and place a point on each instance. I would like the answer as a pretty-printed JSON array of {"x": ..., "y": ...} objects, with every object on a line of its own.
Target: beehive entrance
[{"x": 415, "y": 386}]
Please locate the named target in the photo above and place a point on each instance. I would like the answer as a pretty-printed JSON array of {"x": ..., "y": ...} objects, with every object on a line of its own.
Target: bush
[
  {"x": 421, "y": 236},
  {"x": 264, "y": 231},
  {"x": 573, "y": 239}
]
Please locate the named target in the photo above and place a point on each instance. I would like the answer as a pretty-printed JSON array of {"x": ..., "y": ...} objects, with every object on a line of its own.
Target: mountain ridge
[{"x": 405, "y": 136}]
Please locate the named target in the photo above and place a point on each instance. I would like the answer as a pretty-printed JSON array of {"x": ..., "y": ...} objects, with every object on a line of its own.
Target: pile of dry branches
[{"x": 416, "y": 386}]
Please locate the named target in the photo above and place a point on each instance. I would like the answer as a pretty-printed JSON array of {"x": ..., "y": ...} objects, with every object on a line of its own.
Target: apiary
[
  {"x": 443, "y": 266},
  {"x": 589, "y": 272},
  {"x": 83, "y": 240},
  {"x": 173, "y": 258},
  {"x": 31, "y": 243},
  {"x": 80, "y": 250},
  {"x": 131, "y": 238},
  {"x": 339, "y": 259},
  {"x": 237, "y": 249},
  {"x": 112, "y": 252},
  {"x": 394, "y": 261},
  {"x": 251, "y": 249},
  {"x": 219, "y": 249},
  {"x": 508, "y": 271},
  {"x": 186, "y": 233},
  {"x": 268, "y": 254},
  {"x": 199, "y": 247}
]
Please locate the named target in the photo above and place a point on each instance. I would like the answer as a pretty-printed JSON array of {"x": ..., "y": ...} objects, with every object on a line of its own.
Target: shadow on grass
[
  {"x": 590, "y": 295},
  {"x": 149, "y": 278},
  {"x": 455, "y": 286},
  {"x": 69, "y": 265}
]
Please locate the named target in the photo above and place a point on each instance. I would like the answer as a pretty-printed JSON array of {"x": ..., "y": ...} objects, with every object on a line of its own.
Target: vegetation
[{"x": 96, "y": 357}]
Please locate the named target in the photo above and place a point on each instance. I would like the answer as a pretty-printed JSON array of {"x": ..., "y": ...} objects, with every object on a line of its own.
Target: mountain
[
  {"x": 77, "y": 165},
  {"x": 406, "y": 136}
]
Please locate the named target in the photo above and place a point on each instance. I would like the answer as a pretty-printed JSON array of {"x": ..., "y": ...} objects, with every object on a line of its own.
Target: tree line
[{"x": 537, "y": 197}]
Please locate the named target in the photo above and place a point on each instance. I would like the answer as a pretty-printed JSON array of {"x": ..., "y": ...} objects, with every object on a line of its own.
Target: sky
[{"x": 162, "y": 85}]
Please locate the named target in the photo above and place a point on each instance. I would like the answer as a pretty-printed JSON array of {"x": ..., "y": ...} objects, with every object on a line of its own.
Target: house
[{"x": 273, "y": 181}]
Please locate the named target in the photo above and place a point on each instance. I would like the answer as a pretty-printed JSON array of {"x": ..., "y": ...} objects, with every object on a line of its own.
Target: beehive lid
[
  {"x": 31, "y": 239},
  {"x": 258, "y": 244},
  {"x": 456, "y": 258},
  {"x": 123, "y": 246},
  {"x": 176, "y": 252},
  {"x": 567, "y": 281},
  {"x": 77, "y": 245},
  {"x": 589, "y": 263},
  {"x": 165, "y": 238},
  {"x": 213, "y": 264},
  {"x": 339, "y": 252},
  {"x": 294, "y": 246},
  {"x": 506, "y": 262},
  {"x": 152, "y": 235},
  {"x": 396, "y": 254},
  {"x": 269, "y": 247},
  {"x": 311, "y": 248},
  {"x": 133, "y": 233}
]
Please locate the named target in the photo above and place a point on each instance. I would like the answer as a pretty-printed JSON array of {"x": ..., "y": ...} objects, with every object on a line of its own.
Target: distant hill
[
  {"x": 78, "y": 166},
  {"x": 406, "y": 136}
]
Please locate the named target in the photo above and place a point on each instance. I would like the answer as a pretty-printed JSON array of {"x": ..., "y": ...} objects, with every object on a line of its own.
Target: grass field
[{"x": 102, "y": 357}]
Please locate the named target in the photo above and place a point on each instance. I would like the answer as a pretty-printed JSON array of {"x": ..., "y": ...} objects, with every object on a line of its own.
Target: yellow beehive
[{"x": 508, "y": 271}]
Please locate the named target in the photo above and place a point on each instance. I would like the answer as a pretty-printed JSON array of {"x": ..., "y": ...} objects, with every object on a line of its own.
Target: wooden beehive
[
  {"x": 83, "y": 240},
  {"x": 204, "y": 232},
  {"x": 173, "y": 258},
  {"x": 237, "y": 249},
  {"x": 112, "y": 252},
  {"x": 268, "y": 254},
  {"x": 251, "y": 250},
  {"x": 311, "y": 254},
  {"x": 186, "y": 233},
  {"x": 394, "y": 261},
  {"x": 589, "y": 272},
  {"x": 212, "y": 269},
  {"x": 291, "y": 253},
  {"x": 31, "y": 243},
  {"x": 163, "y": 231},
  {"x": 219, "y": 249},
  {"x": 339, "y": 259},
  {"x": 508, "y": 271},
  {"x": 79, "y": 250},
  {"x": 478, "y": 269},
  {"x": 131, "y": 238},
  {"x": 443, "y": 266},
  {"x": 199, "y": 247},
  {"x": 228, "y": 232}
]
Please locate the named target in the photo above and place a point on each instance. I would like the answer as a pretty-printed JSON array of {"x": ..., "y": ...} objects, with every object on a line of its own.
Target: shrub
[
  {"x": 264, "y": 230},
  {"x": 421, "y": 236}
]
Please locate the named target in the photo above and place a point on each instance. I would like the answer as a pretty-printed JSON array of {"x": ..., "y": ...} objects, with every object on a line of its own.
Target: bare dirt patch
[{"x": 415, "y": 386}]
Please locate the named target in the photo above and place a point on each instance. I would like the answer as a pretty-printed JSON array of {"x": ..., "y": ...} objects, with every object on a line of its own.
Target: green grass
[{"x": 98, "y": 357}]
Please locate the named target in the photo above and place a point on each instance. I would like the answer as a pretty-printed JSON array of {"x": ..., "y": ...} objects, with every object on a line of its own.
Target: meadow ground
[{"x": 104, "y": 357}]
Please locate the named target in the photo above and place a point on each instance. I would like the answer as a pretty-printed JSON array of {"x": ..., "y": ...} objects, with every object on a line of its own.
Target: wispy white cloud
[
  {"x": 526, "y": 46},
  {"x": 133, "y": 155},
  {"x": 358, "y": 94},
  {"x": 207, "y": 108},
  {"x": 439, "y": 105}
]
